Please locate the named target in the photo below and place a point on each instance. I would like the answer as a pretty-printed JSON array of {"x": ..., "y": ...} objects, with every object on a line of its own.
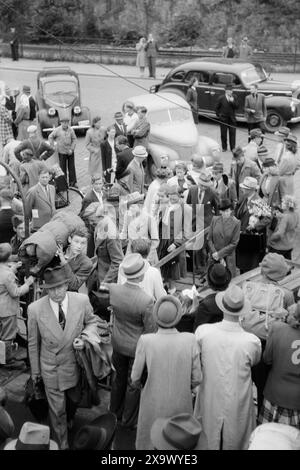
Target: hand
[
  {"x": 252, "y": 111},
  {"x": 15, "y": 266},
  {"x": 35, "y": 377},
  {"x": 78, "y": 344},
  {"x": 61, "y": 255},
  {"x": 215, "y": 256},
  {"x": 29, "y": 280},
  {"x": 171, "y": 248},
  {"x": 70, "y": 152}
]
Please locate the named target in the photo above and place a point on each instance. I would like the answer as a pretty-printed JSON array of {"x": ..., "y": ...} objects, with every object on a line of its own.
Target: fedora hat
[
  {"x": 225, "y": 204},
  {"x": 118, "y": 115},
  {"x": 33, "y": 436},
  {"x": 140, "y": 151},
  {"x": 26, "y": 89},
  {"x": 249, "y": 183},
  {"x": 283, "y": 131},
  {"x": 54, "y": 277},
  {"x": 98, "y": 434},
  {"x": 232, "y": 301},
  {"x": 167, "y": 311},
  {"x": 180, "y": 432},
  {"x": 205, "y": 178},
  {"x": 292, "y": 138},
  {"x": 198, "y": 163},
  {"x": 218, "y": 276},
  {"x": 274, "y": 266},
  {"x": 255, "y": 132},
  {"x": 6, "y": 425},
  {"x": 133, "y": 265}
]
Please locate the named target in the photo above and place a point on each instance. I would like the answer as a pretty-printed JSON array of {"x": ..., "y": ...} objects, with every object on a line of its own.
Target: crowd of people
[{"x": 184, "y": 363}]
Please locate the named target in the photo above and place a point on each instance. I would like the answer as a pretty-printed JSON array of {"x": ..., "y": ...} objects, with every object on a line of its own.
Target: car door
[
  {"x": 203, "y": 89},
  {"x": 217, "y": 89}
]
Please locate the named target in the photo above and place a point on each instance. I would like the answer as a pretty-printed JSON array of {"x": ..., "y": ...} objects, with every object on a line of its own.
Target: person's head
[
  {"x": 133, "y": 267},
  {"x": 193, "y": 81},
  {"x": 150, "y": 37},
  {"x": 19, "y": 226},
  {"x": 245, "y": 40},
  {"x": 5, "y": 252},
  {"x": 65, "y": 121},
  {"x": 291, "y": 143},
  {"x": 6, "y": 197},
  {"x": 97, "y": 182},
  {"x": 96, "y": 122},
  {"x": 162, "y": 193},
  {"x": 274, "y": 267},
  {"x": 229, "y": 41},
  {"x": 256, "y": 135},
  {"x": 249, "y": 186},
  {"x": 167, "y": 311},
  {"x": 217, "y": 170},
  {"x": 141, "y": 112},
  {"x": 129, "y": 108},
  {"x": 32, "y": 132},
  {"x": 143, "y": 40},
  {"x": 293, "y": 318},
  {"x": 12, "y": 30},
  {"x": 233, "y": 303},
  {"x": 118, "y": 117},
  {"x": 121, "y": 142},
  {"x": 228, "y": 91},
  {"x": 253, "y": 89},
  {"x": 140, "y": 153},
  {"x": 218, "y": 277},
  {"x": 27, "y": 155},
  {"x": 198, "y": 162},
  {"x": 289, "y": 203},
  {"x": 180, "y": 170},
  {"x": 282, "y": 133},
  {"x": 162, "y": 174},
  {"x": 141, "y": 246},
  {"x": 26, "y": 90},
  {"x": 56, "y": 283},
  {"x": 269, "y": 166},
  {"x": 225, "y": 208},
  {"x": 204, "y": 180},
  {"x": 44, "y": 177},
  {"x": 174, "y": 194},
  {"x": 111, "y": 132},
  {"x": 238, "y": 155},
  {"x": 78, "y": 240}
]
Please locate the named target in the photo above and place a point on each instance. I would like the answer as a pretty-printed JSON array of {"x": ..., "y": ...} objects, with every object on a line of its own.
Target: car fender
[
  {"x": 85, "y": 113},
  {"x": 45, "y": 120},
  {"x": 169, "y": 89},
  {"x": 280, "y": 104},
  {"x": 156, "y": 151},
  {"x": 208, "y": 148}
]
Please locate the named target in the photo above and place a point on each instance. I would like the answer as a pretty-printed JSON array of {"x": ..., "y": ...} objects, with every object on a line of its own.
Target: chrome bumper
[
  {"x": 295, "y": 119},
  {"x": 50, "y": 129}
]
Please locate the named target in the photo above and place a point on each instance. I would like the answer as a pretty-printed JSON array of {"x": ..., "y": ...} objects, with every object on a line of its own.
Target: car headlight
[
  {"x": 294, "y": 104},
  {"x": 51, "y": 112},
  {"x": 77, "y": 110}
]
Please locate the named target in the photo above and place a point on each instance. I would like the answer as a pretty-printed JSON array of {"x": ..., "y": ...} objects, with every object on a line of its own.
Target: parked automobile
[
  {"x": 58, "y": 95},
  {"x": 282, "y": 98},
  {"x": 173, "y": 131}
]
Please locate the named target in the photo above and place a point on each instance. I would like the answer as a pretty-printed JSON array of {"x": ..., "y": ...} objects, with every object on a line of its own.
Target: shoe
[{"x": 224, "y": 150}]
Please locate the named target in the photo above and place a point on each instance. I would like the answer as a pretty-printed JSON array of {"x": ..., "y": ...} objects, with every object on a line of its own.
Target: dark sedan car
[
  {"x": 58, "y": 95},
  {"x": 283, "y": 105}
]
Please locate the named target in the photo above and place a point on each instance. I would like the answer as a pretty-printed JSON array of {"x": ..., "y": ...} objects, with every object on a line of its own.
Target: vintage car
[
  {"x": 58, "y": 95},
  {"x": 173, "y": 131},
  {"x": 282, "y": 98}
]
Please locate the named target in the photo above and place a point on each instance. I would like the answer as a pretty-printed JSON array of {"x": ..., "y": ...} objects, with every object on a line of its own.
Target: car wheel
[{"x": 274, "y": 120}]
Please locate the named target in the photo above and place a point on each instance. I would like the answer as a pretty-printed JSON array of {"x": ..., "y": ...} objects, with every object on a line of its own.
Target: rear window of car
[{"x": 178, "y": 76}]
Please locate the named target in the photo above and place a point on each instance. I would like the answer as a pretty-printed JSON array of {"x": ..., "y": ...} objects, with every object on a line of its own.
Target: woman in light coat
[
  {"x": 94, "y": 137},
  {"x": 141, "y": 55},
  {"x": 22, "y": 118},
  {"x": 173, "y": 370},
  {"x": 287, "y": 166}
]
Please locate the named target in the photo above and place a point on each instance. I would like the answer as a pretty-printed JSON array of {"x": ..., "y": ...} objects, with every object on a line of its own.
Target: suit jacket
[
  {"x": 207, "y": 311},
  {"x": 109, "y": 251},
  {"x": 226, "y": 189},
  {"x": 226, "y": 109},
  {"x": 151, "y": 49},
  {"x": 50, "y": 348},
  {"x": 123, "y": 159},
  {"x": 6, "y": 226},
  {"x": 249, "y": 168},
  {"x": 32, "y": 106},
  {"x": 210, "y": 204},
  {"x": 132, "y": 316},
  {"x": 37, "y": 199},
  {"x": 223, "y": 238},
  {"x": 106, "y": 155},
  {"x": 10, "y": 104},
  {"x": 138, "y": 176},
  {"x": 118, "y": 130},
  {"x": 78, "y": 270},
  {"x": 257, "y": 103}
]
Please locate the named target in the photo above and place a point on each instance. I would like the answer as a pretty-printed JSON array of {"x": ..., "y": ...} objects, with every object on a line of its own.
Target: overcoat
[{"x": 44, "y": 206}]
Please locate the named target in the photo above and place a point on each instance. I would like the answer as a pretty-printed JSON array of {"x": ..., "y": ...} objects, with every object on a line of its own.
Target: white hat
[
  {"x": 32, "y": 436},
  {"x": 233, "y": 301},
  {"x": 31, "y": 129},
  {"x": 249, "y": 183},
  {"x": 275, "y": 436},
  {"x": 140, "y": 151}
]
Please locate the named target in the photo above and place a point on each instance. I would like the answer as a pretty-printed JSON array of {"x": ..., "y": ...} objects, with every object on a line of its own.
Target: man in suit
[
  {"x": 225, "y": 111},
  {"x": 255, "y": 109},
  {"x": 151, "y": 49},
  {"x": 230, "y": 51},
  {"x": 119, "y": 124},
  {"x": 95, "y": 194},
  {"x": 142, "y": 129},
  {"x": 242, "y": 167},
  {"x": 56, "y": 325},
  {"x": 40, "y": 201},
  {"x": 6, "y": 215},
  {"x": 124, "y": 155},
  {"x": 10, "y": 104},
  {"x": 137, "y": 170},
  {"x": 132, "y": 317}
]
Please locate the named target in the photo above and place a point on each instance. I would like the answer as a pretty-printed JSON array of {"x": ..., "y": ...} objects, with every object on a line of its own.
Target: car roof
[
  {"x": 58, "y": 78},
  {"x": 157, "y": 101},
  {"x": 217, "y": 64},
  {"x": 54, "y": 71}
]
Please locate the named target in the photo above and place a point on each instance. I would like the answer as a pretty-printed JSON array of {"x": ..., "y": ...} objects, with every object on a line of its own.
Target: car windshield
[
  {"x": 253, "y": 75},
  {"x": 61, "y": 92},
  {"x": 165, "y": 116}
]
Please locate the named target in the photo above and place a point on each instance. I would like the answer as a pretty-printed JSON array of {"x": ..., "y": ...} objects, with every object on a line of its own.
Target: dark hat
[
  {"x": 118, "y": 115},
  {"x": 6, "y": 425},
  {"x": 237, "y": 152},
  {"x": 262, "y": 151},
  {"x": 28, "y": 152},
  {"x": 133, "y": 266},
  {"x": 54, "y": 277},
  {"x": 167, "y": 311},
  {"x": 98, "y": 434},
  {"x": 283, "y": 131},
  {"x": 269, "y": 161},
  {"x": 181, "y": 432},
  {"x": 257, "y": 132},
  {"x": 26, "y": 89},
  {"x": 225, "y": 204},
  {"x": 218, "y": 276},
  {"x": 292, "y": 138}
]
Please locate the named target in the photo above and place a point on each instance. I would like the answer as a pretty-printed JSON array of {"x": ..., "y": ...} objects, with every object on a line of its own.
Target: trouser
[
  {"x": 256, "y": 125},
  {"x": 70, "y": 172},
  {"x": 228, "y": 125},
  {"x": 8, "y": 328},
  {"x": 152, "y": 66},
  {"x": 62, "y": 408},
  {"x": 286, "y": 253},
  {"x": 14, "y": 51},
  {"x": 195, "y": 116},
  {"x": 124, "y": 399}
]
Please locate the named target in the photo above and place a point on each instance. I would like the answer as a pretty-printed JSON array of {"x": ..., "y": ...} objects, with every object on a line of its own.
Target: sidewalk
[{"x": 101, "y": 70}]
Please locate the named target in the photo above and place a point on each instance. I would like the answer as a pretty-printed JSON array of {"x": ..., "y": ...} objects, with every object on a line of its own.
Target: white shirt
[
  {"x": 98, "y": 195},
  {"x": 130, "y": 121},
  {"x": 55, "y": 306}
]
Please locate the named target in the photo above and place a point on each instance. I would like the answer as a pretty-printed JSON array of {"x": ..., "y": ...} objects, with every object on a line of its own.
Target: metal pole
[{"x": 295, "y": 57}]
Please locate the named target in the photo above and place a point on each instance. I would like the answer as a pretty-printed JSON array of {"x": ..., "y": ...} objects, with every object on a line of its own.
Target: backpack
[{"x": 267, "y": 305}]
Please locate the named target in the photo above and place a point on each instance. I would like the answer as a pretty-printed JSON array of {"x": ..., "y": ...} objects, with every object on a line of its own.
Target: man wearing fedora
[
  {"x": 255, "y": 140},
  {"x": 55, "y": 325},
  {"x": 136, "y": 168},
  {"x": 225, "y": 397},
  {"x": 132, "y": 317},
  {"x": 119, "y": 124},
  {"x": 242, "y": 167},
  {"x": 223, "y": 184},
  {"x": 225, "y": 111}
]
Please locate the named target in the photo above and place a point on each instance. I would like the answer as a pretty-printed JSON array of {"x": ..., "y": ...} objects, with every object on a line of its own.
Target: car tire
[{"x": 274, "y": 120}]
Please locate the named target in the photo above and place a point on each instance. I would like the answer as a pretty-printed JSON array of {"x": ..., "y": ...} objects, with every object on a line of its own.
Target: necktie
[{"x": 61, "y": 317}]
